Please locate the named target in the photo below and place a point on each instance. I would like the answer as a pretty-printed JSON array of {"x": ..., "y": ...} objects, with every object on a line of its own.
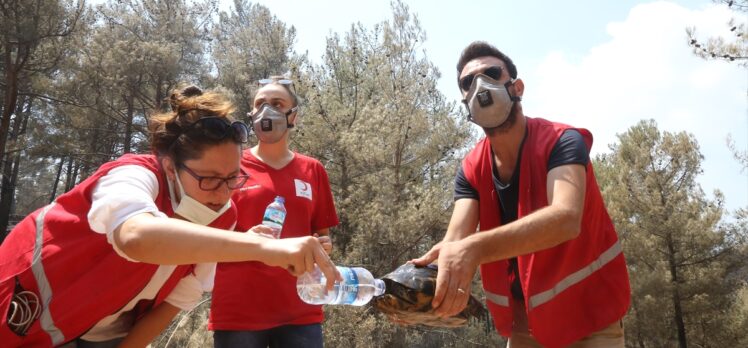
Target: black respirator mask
[
  {"x": 269, "y": 123},
  {"x": 488, "y": 102}
]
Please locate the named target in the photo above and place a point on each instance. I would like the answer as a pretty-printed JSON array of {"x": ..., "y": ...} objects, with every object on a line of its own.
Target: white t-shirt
[{"x": 122, "y": 193}]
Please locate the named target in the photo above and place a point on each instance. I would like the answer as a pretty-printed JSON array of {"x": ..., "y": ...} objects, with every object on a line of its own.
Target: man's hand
[{"x": 456, "y": 267}]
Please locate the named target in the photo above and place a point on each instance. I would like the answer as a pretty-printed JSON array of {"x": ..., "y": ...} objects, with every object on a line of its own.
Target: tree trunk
[
  {"x": 679, "y": 323},
  {"x": 343, "y": 238},
  {"x": 74, "y": 177},
  {"x": 6, "y": 195},
  {"x": 69, "y": 175},
  {"x": 10, "y": 167},
  {"x": 159, "y": 99},
  {"x": 57, "y": 179},
  {"x": 9, "y": 99},
  {"x": 10, "y": 175},
  {"x": 128, "y": 124},
  {"x": 95, "y": 146},
  {"x": 679, "y": 318},
  {"x": 639, "y": 336}
]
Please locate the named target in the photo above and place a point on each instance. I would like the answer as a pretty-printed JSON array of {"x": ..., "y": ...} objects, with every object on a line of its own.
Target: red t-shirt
[{"x": 252, "y": 295}]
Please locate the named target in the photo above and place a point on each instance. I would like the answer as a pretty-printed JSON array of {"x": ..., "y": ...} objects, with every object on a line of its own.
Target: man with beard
[{"x": 551, "y": 264}]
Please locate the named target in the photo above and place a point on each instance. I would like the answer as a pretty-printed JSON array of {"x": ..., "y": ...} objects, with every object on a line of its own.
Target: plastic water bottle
[
  {"x": 357, "y": 288},
  {"x": 274, "y": 216}
]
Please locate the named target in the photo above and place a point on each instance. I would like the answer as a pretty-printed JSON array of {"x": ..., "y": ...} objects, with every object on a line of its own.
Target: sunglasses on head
[
  {"x": 219, "y": 128},
  {"x": 493, "y": 72},
  {"x": 285, "y": 82}
]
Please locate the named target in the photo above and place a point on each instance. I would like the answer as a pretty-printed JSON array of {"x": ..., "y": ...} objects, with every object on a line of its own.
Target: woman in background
[{"x": 256, "y": 305}]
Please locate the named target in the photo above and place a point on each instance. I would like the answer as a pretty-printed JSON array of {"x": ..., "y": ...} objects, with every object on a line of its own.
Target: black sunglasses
[
  {"x": 218, "y": 128},
  {"x": 493, "y": 72},
  {"x": 211, "y": 183}
]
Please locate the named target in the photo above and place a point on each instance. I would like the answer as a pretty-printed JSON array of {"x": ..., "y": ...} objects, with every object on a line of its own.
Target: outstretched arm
[
  {"x": 552, "y": 225},
  {"x": 151, "y": 239},
  {"x": 547, "y": 227}
]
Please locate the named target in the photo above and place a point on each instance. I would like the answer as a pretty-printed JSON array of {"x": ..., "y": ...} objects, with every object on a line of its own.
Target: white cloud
[{"x": 646, "y": 70}]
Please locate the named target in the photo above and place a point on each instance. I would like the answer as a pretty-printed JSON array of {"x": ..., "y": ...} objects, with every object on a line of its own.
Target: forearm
[
  {"x": 464, "y": 220},
  {"x": 540, "y": 230},
  {"x": 171, "y": 241},
  {"x": 150, "y": 326},
  {"x": 552, "y": 225},
  {"x": 455, "y": 233}
]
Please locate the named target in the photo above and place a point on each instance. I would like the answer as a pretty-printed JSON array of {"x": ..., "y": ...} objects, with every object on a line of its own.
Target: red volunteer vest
[
  {"x": 251, "y": 295},
  {"x": 78, "y": 277},
  {"x": 573, "y": 289}
]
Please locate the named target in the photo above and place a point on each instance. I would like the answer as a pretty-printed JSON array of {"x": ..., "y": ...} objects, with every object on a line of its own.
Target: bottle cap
[
  {"x": 379, "y": 287},
  {"x": 280, "y": 199}
]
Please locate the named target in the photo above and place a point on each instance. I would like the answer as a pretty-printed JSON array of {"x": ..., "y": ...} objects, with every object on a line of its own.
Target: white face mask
[
  {"x": 191, "y": 209},
  {"x": 489, "y": 102}
]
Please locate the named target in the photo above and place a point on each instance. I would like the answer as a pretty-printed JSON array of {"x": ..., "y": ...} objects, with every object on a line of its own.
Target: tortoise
[{"x": 409, "y": 290}]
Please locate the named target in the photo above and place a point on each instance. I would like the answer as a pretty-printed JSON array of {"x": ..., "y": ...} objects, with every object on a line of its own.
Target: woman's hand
[
  {"x": 263, "y": 231},
  {"x": 325, "y": 241},
  {"x": 299, "y": 255}
]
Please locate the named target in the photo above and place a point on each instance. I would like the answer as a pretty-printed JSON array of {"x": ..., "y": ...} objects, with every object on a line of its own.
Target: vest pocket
[{"x": 23, "y": 310}]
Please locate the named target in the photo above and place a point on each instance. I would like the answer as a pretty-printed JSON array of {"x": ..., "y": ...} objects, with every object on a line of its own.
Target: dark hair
[
  {"x": 188, "y": 104},
  {"x": 477, "y": 49}
]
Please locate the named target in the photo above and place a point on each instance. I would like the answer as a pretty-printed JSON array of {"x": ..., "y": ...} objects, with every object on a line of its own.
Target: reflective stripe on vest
[
  {"x": 577, "y": 276},
  {"x": 497, "y": 299},
  {"x": 45, "y": 291}
]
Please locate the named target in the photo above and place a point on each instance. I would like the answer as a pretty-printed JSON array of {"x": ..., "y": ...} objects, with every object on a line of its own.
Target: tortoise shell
[{"x": 409, "y": 290}]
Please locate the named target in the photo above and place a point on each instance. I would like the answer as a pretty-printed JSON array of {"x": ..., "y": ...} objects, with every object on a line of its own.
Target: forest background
[{"x": 79, "y": 82}]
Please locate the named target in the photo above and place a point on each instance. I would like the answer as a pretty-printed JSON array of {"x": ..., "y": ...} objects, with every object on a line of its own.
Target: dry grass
[{"x": 345, "y": 326}]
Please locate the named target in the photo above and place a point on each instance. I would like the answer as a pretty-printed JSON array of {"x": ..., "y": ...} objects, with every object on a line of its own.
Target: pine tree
[
  {"x": 249, "y": 44},
  {"x": 34, "y": 38},
  {"x": 680, "y": 255}
]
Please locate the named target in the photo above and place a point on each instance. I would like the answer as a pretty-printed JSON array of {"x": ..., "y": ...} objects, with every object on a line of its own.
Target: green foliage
[
  {"x": 681, "y": 257},
  {"x": 389, "y": 142},
  {"x": 249, "y": 44},
  {"x": 34, "y": 37},
  {"x": 387, "y": 137}
]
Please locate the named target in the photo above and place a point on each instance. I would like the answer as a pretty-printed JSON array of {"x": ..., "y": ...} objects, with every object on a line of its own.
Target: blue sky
[{"x": 601, "y": 65}]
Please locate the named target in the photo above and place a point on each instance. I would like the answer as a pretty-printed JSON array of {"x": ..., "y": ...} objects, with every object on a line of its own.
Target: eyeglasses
[
  {"x": 211, "y": 183},
  {"x": 281, "y": 81},
  {"x": 493, "y": 72},
  {"x": 218, "y": 128}
]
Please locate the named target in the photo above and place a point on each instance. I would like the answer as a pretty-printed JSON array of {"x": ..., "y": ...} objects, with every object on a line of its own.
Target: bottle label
[
  {"x": 349, "y": 285},
  {"x": 274, "y": 215}
]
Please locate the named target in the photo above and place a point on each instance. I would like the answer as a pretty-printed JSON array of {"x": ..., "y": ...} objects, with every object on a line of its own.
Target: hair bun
[
  {"x": 192, "y": 91},
  {"x": 178, "y": 97}
]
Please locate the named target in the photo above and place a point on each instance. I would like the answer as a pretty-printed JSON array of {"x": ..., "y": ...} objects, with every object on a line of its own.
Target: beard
[{"x": 507, "y": 125}]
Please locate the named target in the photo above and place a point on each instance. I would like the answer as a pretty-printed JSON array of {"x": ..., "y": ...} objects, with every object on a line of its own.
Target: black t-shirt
[{"x": 569, "y": 149}]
